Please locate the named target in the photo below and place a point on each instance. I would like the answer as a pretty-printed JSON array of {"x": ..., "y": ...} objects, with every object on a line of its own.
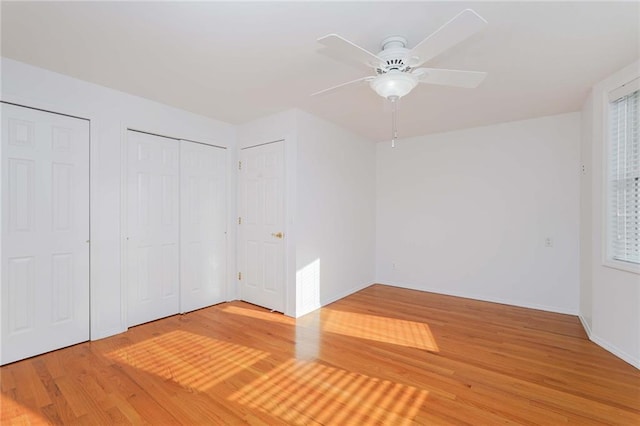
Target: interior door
[
  {"x": 261, "y": 231},
  {"x": 45, "y": 232},
  {"x": 203, "y": 206},
  {"x": 152, "y": 227}
]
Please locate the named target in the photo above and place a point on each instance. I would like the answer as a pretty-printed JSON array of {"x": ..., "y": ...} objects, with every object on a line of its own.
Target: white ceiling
[{"x": 237, "y": 61}]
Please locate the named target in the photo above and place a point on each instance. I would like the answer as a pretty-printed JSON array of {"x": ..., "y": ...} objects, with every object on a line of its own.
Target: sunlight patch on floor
[
  {"x": 14, "y": 413},
  {"x": 381, "y": 329},
  {"x": 306, "y": 392},
  {"x": 192, "y": 360}
]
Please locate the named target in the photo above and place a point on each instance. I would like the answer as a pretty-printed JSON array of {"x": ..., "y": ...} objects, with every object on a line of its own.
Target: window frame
[{"x": 630, "y": 86}]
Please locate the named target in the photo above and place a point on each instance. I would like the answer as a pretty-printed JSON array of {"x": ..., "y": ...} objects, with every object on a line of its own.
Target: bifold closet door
[
  {"x": 45, "y": 232},
  {"x": 202, "y": 225},
  {"x": 153, "y": 236}
]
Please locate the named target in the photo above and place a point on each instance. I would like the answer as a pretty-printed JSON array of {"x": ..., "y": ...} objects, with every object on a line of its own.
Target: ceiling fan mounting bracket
[{"x": 393, "y": 41}]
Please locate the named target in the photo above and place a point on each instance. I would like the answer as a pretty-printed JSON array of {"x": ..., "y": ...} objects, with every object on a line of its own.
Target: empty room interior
[{"x": 320, "y": 213}]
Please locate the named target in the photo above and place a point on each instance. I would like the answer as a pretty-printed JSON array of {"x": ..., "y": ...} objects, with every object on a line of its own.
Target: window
[{"x": 623, "y": 180}]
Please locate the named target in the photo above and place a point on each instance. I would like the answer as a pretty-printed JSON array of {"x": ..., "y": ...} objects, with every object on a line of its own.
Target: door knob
[{"x": 277, "y": 235}]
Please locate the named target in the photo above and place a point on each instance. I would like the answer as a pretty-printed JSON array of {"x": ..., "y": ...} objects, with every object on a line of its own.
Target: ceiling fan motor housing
[{"x": 393, "y": 53}]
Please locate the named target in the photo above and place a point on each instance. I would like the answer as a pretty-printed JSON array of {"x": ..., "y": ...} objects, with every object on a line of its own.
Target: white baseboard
[
  {"x": 327, "y": 300},
  {"x": 616, "y": 351},
  {"x": 585, "y": 325},
  {"x": 483, "y": 298},
  {"x": 332, "y": 298},
  {"x": 595, "y": 339},
  {"x": 308, "y": 310},
  {"x": 608, "y": 346}
]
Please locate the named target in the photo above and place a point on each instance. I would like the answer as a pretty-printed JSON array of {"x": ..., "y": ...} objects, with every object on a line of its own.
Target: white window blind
[{"x": 624, "y": 174}]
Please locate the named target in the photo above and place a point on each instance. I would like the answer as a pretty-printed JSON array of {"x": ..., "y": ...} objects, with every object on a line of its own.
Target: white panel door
[
  {"x": 203, "y": 211},
  {"x": 152, "y": 227},
  {"x": 261, "y": 232},
  {"x": 45, "y": 232}
]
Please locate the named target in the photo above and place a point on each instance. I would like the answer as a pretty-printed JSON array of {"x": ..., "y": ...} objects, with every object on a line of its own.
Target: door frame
[
  {"x": 83, "y": 113},
  {"x": 289, "y": 191},
  {"x": 124, "y": 252},
  {"x": 32, "y": 104}
]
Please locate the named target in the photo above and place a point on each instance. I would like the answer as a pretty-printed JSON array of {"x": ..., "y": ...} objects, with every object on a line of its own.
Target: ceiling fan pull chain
[{"x": 394, "y": 120}]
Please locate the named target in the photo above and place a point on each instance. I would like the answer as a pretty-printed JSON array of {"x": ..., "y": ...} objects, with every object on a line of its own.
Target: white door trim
[
  {"x": 47, "y": 109},
  {"x": 290, "y": 139},
  {"x": 261, "y": 144},
  {"x": 89, "y": 115},
  {"x": 285, "y": 286},
  {"x": 124, "y": 164}
]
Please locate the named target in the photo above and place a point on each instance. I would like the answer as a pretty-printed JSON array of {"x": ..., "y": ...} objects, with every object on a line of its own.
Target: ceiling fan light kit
[
  {"x": 394, "y": 84},
  {"x": 396, "y": 65}
]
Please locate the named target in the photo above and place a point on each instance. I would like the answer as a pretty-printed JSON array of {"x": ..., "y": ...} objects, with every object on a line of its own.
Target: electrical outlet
[
  {"x": 394, "y": 266},
  {"x": 548, "y": 242}
]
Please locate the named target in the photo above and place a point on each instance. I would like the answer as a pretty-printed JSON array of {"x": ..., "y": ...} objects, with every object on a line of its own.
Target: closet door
[
  {"x": 45, "y": 232},
  {"x": 202, "y": 225},
  {"x": 152, "y": 227}
]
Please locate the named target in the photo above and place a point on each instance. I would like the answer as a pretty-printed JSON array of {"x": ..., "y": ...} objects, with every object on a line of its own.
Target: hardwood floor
[{"x": 380, "y": 356}]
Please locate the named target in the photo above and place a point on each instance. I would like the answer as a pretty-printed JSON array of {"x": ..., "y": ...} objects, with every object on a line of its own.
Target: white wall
[
  {"x": 612, "y": 310},
  {"x": 111, "y": 112},
  {"x": 463, "y": 213},
  {"x": 467, "y": 213},
  {"x": 335, "y": 253}
]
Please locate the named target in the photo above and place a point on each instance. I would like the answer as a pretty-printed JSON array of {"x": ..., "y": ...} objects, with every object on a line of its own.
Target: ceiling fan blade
[
  {"x": 339, "y": 86},
  {"x": 456, "y": 78},
  {"x": 342, "y": 48},
  {"x": 462, "y": 26}
]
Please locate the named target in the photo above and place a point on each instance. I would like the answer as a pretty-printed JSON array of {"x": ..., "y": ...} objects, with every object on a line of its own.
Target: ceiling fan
[{"x": 396, "y": 67}]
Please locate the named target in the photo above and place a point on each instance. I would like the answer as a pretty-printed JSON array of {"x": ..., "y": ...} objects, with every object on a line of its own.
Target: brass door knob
[{"x": 277, "y": 234}]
